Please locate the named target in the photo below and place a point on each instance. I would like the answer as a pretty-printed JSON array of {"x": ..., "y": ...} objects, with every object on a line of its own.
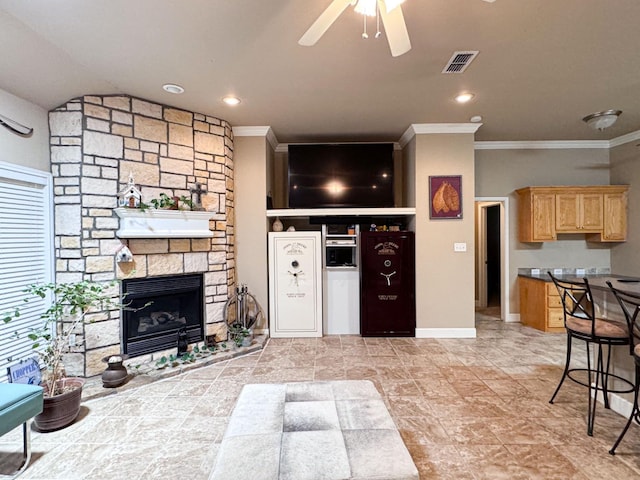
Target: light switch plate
[
  {"x": 557, "y": 271},
  {"x": 460, "y": 247},
  {"x": 535, "y": 271},
  {"x": 580, "y": 272}
]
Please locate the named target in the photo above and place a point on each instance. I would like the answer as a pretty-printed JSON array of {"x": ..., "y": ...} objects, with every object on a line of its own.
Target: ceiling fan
[{"x": 388, "y": 10}]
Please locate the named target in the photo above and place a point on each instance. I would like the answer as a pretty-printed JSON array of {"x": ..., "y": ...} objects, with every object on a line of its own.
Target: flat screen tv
[{"x": 341, "y": 176}]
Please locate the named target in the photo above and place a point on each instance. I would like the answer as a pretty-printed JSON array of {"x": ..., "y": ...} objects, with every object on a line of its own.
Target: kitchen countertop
[{"x": 596, "y": 281}]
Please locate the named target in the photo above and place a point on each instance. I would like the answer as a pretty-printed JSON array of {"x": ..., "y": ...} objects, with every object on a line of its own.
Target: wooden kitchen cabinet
[
  {"x": 536, "y": 221},
  {"x": 540, "y": 305},
  {"x": 578, "y": 212},
  {"x": 615, "y": 215},
  {"x": 599, "y": 211}
]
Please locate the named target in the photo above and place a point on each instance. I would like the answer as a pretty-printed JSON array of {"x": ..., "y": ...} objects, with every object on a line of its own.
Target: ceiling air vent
[{"x": 459, "y": 61}]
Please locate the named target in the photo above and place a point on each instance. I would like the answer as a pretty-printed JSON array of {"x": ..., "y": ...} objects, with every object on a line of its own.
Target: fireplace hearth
[{"x": 158, "y": 308}]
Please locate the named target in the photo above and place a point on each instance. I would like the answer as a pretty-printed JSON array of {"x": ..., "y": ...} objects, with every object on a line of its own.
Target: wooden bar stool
[
  {"x": 581, "y": 323},
  {"x": 630, "y": 304}
]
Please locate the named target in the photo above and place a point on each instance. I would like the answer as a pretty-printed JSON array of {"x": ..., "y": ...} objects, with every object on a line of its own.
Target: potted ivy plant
[
  {"x": 240, "y": 335},
  {"x": 165, "y": 202},
  {"x": 70, "y": 304}
]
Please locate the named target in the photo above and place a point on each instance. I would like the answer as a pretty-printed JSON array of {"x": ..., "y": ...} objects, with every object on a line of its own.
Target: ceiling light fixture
[
  {"x": 231, "y": 100},
  {"x": 601, "y": 120},
  {"x": 173, "y": 88},
  {"x": 464, "y": 97}
]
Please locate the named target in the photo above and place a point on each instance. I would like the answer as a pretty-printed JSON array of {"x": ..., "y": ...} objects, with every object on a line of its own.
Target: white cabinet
[
  {"x": 341, "y": 279},
  {"x": 295, "y": 284},
  {"x": 342, "y": 301}
]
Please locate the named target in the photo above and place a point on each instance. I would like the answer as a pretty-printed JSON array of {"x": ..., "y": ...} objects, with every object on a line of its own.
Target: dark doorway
[{"x": 492, "y": 229}]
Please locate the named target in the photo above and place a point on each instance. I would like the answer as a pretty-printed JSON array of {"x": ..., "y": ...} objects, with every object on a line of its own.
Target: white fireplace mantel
[{"x": 152, "y": 223}]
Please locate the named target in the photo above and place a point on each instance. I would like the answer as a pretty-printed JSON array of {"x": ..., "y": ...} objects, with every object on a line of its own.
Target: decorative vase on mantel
[{"x": 277, "y": 225}]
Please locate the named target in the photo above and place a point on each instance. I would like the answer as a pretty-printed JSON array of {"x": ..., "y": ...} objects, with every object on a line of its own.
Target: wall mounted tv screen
[{"x": 341, "y": 176}]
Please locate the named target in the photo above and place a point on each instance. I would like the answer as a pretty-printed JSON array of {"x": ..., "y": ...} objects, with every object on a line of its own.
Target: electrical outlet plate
[
  {"x": 535, "y": 271},
  {"x": 580, "y": 271},
  {"x": 557, "y": 271},
  {"x": 460, "y": 247}
]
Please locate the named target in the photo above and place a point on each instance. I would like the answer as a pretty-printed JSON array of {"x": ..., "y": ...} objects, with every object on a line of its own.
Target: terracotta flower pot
[{"x": 61, "y": 410}]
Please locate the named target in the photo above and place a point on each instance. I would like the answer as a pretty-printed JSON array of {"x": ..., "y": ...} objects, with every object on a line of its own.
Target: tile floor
[{"x": 466, "y": 408}]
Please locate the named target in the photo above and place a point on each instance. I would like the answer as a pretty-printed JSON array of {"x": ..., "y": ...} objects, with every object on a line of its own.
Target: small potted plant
[
  {"x": 240, "y": 335},
  {"x": 70, "y": 303},
  {"x": 165, "y": 202}
]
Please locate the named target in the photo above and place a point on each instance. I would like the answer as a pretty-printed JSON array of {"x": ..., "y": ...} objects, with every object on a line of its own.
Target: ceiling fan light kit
[
  {"x": 389, "y": 11},
  {"x": 601, "y": 120}
]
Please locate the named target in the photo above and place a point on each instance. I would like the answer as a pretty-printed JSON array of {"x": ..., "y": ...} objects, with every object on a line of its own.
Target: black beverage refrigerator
[{"x": 387, "y": 284}]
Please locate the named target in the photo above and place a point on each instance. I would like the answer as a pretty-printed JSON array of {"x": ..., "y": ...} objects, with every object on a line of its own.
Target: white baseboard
[
  {"x": 512, "y": 318},
  {"x": 617, "y": 403},
  {"x": 445, "y": 333}
]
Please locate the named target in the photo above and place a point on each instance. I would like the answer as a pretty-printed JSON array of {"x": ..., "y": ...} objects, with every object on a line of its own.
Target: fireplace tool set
[{"x": 242, "y": 312}]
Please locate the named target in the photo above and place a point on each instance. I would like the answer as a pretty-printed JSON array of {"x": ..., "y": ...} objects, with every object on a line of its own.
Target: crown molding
[
  {"x": 284, "y": 147},
  {"x": 257, "y": 131},
  {"x": 431, "y": 128},
  {"x": 541, "y": 145},
  {"x": 621, "y": 140}
]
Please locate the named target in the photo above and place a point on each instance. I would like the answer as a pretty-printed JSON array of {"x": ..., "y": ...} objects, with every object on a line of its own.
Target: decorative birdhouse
[{"x": 130, "y": 196}]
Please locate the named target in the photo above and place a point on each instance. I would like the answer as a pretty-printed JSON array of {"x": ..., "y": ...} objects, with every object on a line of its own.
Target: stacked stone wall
[{"x": 96, "y": 143}]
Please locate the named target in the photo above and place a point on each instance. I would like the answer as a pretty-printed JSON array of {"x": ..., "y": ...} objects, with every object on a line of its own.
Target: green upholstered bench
[{"x": 19, "y": 403}]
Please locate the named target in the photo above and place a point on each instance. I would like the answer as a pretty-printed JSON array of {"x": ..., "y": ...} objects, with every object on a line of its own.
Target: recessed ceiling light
[
  {"x": 231, "y": 100},
  {"x": 476, "y": 119},
  {"x": 173, "y": 88},
  {"x": 464, "y": 97}
]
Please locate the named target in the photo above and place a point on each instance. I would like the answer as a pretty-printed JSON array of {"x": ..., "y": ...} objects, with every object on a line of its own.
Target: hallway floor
[{"x": 466, "y": 409}]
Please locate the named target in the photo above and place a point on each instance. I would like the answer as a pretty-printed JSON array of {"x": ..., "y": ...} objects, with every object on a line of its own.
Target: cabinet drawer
[
  {"x": 551, "y": 289},
  {"x": 555, "y": 318},
  {"x": 553, "y": 301}
]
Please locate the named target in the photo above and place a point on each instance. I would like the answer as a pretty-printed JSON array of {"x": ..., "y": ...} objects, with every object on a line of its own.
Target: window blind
[{"x": 26, "y": 244}]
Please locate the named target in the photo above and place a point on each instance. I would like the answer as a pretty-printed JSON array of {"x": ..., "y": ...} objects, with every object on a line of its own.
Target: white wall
[
  {"x": 625, "y": 169},
  {"x": 250, "y": 158},
  {"x": 444, "y": 278},
  {"x": 32, "y": 151},
  {"x": 499, "y": 173}
]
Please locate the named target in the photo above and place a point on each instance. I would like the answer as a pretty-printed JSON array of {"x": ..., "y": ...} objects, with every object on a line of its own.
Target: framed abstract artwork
[{"x": 445, "y": 197}]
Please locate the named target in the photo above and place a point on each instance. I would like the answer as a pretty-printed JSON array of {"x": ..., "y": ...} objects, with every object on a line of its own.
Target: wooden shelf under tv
[{"x": 340, "y": 212}]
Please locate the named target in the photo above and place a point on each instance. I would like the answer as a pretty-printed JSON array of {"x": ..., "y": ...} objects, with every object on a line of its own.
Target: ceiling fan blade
[
  {"x": 396, "y": 30},
  {"x": 324, "y": 21}
]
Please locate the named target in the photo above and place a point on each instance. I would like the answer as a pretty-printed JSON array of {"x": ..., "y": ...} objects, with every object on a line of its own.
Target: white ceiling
[{"x": 543, "y": 64}]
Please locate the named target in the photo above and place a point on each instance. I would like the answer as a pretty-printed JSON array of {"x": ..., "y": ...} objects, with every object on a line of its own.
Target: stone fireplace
[
  {"x": 97, "y": 142},
  {"x": 157, "y": 309}
]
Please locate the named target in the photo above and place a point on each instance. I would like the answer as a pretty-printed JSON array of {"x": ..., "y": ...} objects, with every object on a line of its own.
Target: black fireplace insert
[{"x": 157, "y": 308}]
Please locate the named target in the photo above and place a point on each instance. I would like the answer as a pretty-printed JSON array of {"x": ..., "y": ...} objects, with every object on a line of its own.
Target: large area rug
[{"x": 310, "y": 431}]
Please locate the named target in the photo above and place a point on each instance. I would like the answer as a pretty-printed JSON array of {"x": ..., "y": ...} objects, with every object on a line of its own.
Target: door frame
[{"x": 481, "y": 270}]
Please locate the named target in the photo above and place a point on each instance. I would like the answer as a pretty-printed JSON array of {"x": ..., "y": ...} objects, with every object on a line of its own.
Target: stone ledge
[{"x": 148, "y": 373}]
